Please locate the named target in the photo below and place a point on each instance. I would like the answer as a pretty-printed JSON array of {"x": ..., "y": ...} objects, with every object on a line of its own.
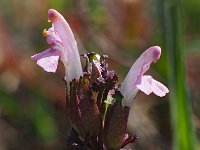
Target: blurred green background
[{"x": 32, "y": 102}]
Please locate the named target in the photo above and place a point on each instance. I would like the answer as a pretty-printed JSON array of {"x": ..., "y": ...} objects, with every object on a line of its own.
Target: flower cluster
[{"x": 97, "y": 106}]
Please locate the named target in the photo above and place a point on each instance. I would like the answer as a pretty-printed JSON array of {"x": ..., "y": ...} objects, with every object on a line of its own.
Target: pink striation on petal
[
  {"x": 148, "y": 85},
  {"x": 69, "y": 55},
  {"x": 48, "y": 59},
  {"x": 141, "y": 65}
]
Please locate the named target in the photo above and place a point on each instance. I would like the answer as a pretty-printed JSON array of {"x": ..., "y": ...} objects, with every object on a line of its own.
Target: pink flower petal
[
  {"x": 141, "y": 65},
  {"x": 144, "y": 85},
  {"x": 69, "y": 55},
  {"x": 135, "y": 80},
  {"x": 52, "y": 37},
  {"x": 48, "y": 59},
  {"x": 148, "y": 85},
  {"x": 159, "y": 89}
]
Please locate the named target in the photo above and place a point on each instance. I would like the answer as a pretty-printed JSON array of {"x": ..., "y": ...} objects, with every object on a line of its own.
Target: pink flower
[
  {"x": 136, "y": 80},
  {"x": 63, "y": 47}
]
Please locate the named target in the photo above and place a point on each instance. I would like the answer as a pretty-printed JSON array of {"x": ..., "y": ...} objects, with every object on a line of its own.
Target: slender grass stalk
[{"x": 181, "y": 115}]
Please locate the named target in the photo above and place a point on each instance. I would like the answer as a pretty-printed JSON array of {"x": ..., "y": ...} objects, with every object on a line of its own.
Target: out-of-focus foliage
[
  {"x": 180, "y": 105},
  {"x": 32, "y": 102}
]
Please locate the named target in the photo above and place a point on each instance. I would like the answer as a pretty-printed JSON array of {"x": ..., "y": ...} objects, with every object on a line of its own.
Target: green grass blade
[{"x": 181, "y": 115}]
